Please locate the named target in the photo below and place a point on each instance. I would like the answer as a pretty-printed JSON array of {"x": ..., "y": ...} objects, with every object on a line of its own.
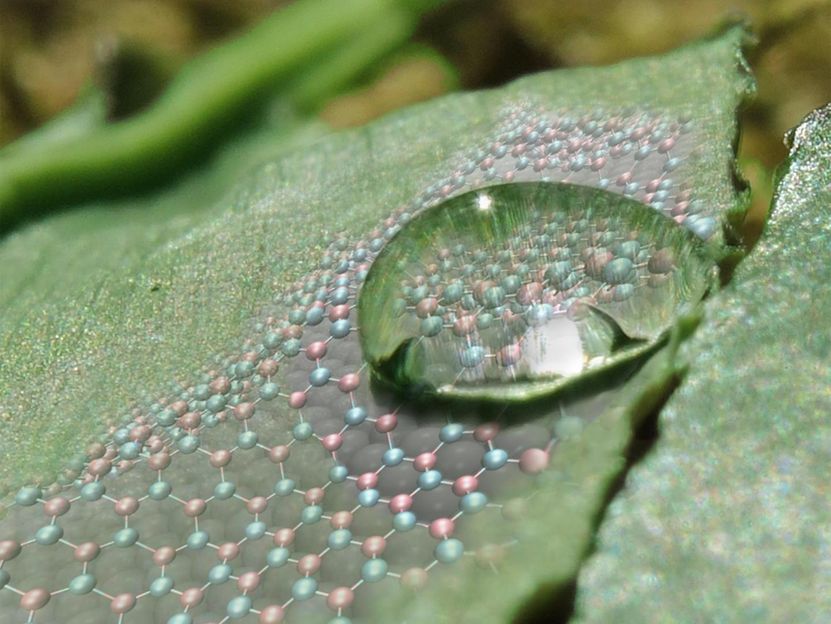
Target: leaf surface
[
  {"x": 727, "y": 519},
  {"x": 103, "y": 306}
]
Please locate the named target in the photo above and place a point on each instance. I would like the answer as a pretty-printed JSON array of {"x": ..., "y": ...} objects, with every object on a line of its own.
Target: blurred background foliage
[{"x": 50, "y": 50}]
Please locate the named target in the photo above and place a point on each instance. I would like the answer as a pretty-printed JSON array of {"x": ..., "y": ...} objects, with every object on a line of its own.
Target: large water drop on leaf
[{"x": 517, "y": 290}]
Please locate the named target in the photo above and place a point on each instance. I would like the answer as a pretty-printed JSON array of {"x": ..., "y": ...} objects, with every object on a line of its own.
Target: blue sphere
[
  {"x": 302, "y": 431},
  {"x": 355, "y": 416},
  {"x": 494, "y": 459},
  {"x": 338, "y": 474},
  {"x": 429, "y": 480},
  {"x": 82, "y": 584},
  {"x": 304, "y": 588},
  {"x": 393, "y": 457},
  {"x": 125, "y": 537},
  {"x": 277, "y": 557},
  {"x": 319, "y": 376},
  {"x": 311, "y": 514},
  {"x": 247, "y": 439},
  {"x": 449, "y": 550},
  {"x": 159, "y": 490},
  {"x": 374, "y": 570},
  {"x": 188, "y": 444},
  {"x": 255, "y": 530},
  {"x": 339, "y": 539},
  {"x": 220, "y": 573},
  {"x": 238, "y": 607},
  {"x": 161, "y": 586},
  {"x": 197, "y": 540},
  {"x": 473, "y": 502},
  {"x": 284, "y": 487},
  {"x": 48, "y": 535},
  {"x": 368, "y": 498},
  {"x": 451, "y": 433},
  {"x": 224, "y": 489},
  {"x": 340, "y": 328},
  {"x": 404, "y": 521},
  {"x": 27, "y": 496},
  {"x": 93, "y": 491}
]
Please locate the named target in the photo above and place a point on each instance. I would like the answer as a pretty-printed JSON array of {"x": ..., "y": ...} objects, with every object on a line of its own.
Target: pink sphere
[
  {"x": 338, "y": 312},
  {"x": 267, "y": 368},
  {"x": 57, "y": 506},
  {"x": 126, "y": 506},
  {"x": 257, "y": 504},
  {"x": 283, "y": 537},
  {"x": 340, "y": 598},
  {"x": 195, "y": 507},
  {"x": 159, "y": 460},
  {"x": 341, "y": 519},
  {"x": 414, "y": 578},
  {"x": 96, "y": 450},
  {"x": 441, "y": 528},
  {"x": 332, "y": 442},
  {"x": 9, "y": 549},
  {"x": 349, "y": 382},
  {"x": 308, "y": 564},
  {"x": 220, "y": 458},
  {"x": 85, "y": 552},
  {"x": 221, "y": 385},
  {"x": 426, "y": 307},
  {"x": 464, "y": 325},
  {"x": 279, "y": 453},
  {"x": 533, "y": 461},
  {"x": 401, "y": 502},
  {"x": 164, "y": 555},
  {"x": 191, "y": 597},
  {"x": 99, "y": 467},
  {"x": 228, "y": 551},
  {"x": 314, "y": 496},
  {"x": 190, "y": 420},
  {"x": 140, "y": 433},
  {"x": 244, "y": 411},
  {"x": 272, "y": 614},
  {"x": 316, "y": 350},
  {"x": 367, "y": 480},
  {"x": 248, "y": 582},
  {"x": 374, "y": 546},
  {"x": 122, "y": 603},
  {"x": 297, "y": 399},
  {"x": 386, "y": 423},
  {"x": 34, "y": 599},
  {"x": 486, "y": 432},
  {"x": 424, "y": 461},
  {"x": 465, "y": 485}
]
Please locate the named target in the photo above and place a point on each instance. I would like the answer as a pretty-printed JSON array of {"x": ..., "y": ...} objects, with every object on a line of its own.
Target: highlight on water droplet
[{"x": 516, "y": 290}]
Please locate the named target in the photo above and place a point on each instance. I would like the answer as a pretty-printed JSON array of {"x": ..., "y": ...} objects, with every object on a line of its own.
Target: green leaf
[
  {"x": 727, "y": 519},
  {"x": 316, "y": 46},
  {"x": 103, "y": 306}
]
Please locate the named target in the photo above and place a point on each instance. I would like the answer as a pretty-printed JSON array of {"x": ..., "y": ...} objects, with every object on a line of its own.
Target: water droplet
[{"x": 516, "y": 290}]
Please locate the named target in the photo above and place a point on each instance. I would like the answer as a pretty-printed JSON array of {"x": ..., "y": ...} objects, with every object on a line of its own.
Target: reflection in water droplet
[{"x": 514, "y": 290}]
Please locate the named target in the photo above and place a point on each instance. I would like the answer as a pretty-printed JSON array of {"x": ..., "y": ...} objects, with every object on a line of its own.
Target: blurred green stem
[
  {"x": 324, "y": 42},
  {"x": 339, "y": 70}
]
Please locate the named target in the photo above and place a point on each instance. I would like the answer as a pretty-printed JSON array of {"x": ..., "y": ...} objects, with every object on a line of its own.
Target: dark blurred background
[{"x": 51, "y": 49}]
